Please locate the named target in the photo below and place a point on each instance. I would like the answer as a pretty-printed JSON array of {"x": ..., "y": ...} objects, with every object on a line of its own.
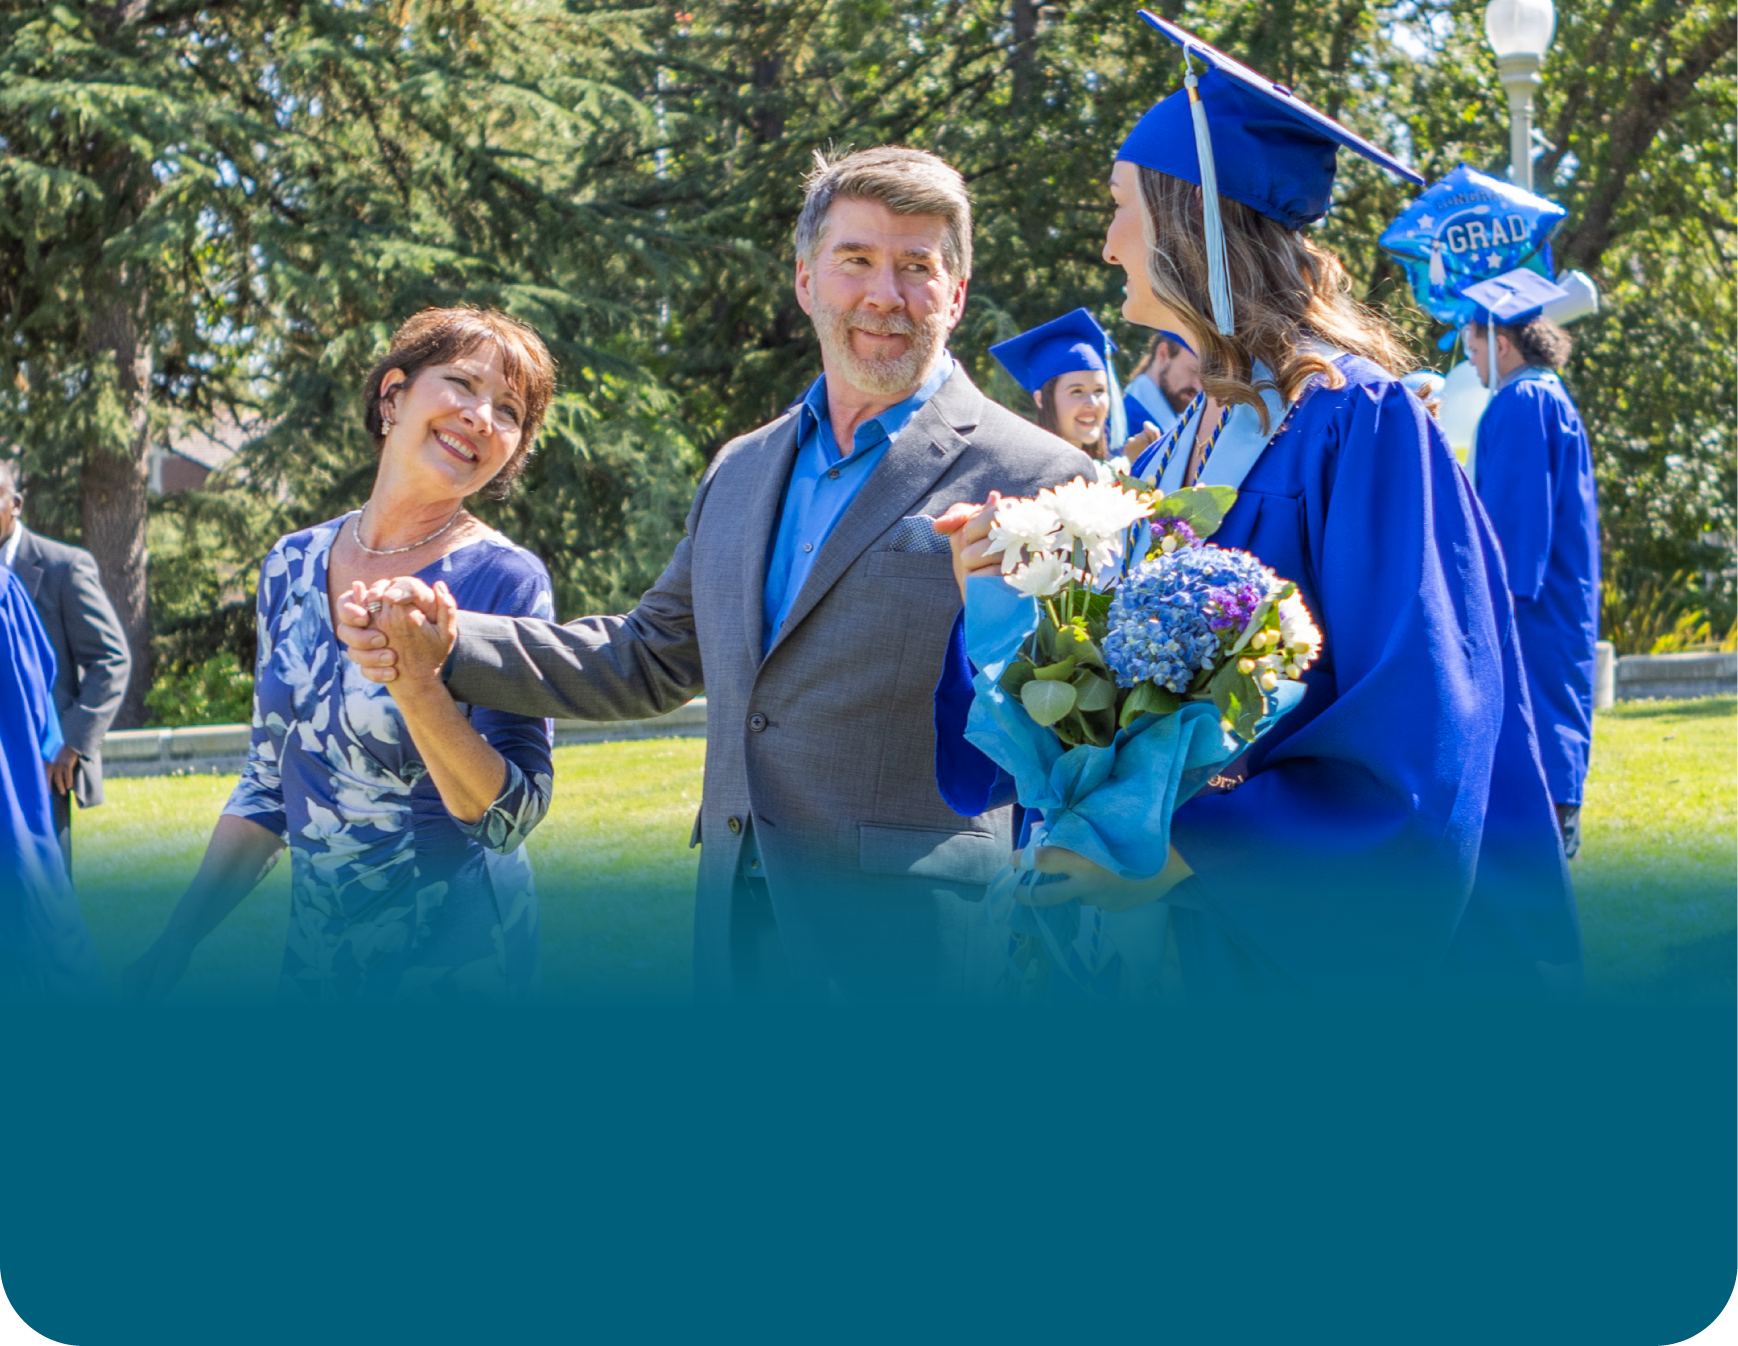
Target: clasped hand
[{"x": 399, "y": 631}]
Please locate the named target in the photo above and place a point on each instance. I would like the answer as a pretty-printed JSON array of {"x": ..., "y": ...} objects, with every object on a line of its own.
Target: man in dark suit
[{"x": 90, "y": 651}]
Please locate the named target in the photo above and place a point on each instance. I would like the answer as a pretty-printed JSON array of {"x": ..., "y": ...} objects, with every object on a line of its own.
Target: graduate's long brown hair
[{"x": 1284, "y": 289}]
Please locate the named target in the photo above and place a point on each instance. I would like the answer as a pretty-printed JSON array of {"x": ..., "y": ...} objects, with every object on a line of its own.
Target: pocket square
[{"x": 916, "y": 533}]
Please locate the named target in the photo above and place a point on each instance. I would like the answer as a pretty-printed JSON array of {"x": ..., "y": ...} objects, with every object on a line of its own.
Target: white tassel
[
  {"x": 1218, "y": 272},
  {"x": 1438, "y": 272}
]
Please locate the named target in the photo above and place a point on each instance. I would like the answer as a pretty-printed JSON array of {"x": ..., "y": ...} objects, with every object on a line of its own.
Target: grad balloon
[{"x": 1467, "y": 228}]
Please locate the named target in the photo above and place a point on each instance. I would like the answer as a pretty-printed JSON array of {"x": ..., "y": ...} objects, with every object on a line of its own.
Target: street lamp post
[{"x": 1519, "y": 32}]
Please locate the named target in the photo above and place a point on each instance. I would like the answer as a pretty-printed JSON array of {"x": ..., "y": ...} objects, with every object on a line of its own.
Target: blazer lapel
[
  {"x": 759, "y": 522},
  {"x": 24, "y": 565},
  {"x": 915, "y": 461}
]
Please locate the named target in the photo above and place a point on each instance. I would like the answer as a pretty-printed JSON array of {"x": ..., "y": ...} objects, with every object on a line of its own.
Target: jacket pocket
[
  {"x": 910, "y": 565},
  {"x": 970, "y": 857}
]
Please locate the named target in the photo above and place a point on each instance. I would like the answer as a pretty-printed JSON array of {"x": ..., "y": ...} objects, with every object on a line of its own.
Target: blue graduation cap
[
  {"x": 1063, "y": 345},
  {"x": 1236, "y": 133},
  {"x": 1508, "y": 300},
  {"x": 1066, "y": 345}
]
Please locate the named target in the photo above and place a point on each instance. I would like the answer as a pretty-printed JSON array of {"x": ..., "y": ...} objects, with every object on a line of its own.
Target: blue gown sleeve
[
  {"x": 525, "y": 743},
  {"x": 1517, "y": 469},
  {"x": 1346, "y": 856},
  {"x": 970, "y": 783}
]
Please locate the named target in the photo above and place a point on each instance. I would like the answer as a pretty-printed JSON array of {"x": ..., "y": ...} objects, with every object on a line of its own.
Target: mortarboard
[
  {"x": 1513, "y": 297},
  {"x": 1236, "y": 133},
  {"x": 1061, "y": 346},
  {"x": 1509, "y": 299}
]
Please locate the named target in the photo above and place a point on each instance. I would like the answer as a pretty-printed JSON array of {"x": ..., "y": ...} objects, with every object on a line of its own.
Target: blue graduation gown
[
  {"x": 1394, "y": 832},
  {"x": 44, "y": 945},
  {"x": 1535, "y": 477}
]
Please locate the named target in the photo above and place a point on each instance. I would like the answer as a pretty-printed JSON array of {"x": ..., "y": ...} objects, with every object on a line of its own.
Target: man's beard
[{"x": 881, "y": 375}]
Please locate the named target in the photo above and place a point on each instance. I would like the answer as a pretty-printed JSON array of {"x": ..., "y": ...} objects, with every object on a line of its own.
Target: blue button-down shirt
[{"x": 823, "y": 484}]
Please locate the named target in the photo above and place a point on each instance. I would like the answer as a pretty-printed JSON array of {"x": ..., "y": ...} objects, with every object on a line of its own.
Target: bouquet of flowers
[{"x": 1123, "y": 663}]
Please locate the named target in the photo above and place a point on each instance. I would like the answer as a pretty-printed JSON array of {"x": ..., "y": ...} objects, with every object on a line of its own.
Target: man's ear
[
  {"x": 956, "y": 308},
  {"x": 805, "y": 284}
]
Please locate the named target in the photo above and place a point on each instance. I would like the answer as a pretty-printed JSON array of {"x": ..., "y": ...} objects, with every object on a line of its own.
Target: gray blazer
[
  {"x": 826, "y": 747},
  {"x": 90, "y": 650}
]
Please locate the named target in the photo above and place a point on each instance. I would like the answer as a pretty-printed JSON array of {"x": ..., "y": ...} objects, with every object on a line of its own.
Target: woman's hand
[
  {"x": 967, "y": 528},
  {"x": 1096, "y": 886},
  {"x": 156, "y": 971},
  {"x": 408, "y": 638}
]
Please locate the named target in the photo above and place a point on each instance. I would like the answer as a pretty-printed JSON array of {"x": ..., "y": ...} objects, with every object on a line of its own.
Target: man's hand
[
  {"x": 1139, "y": 444},
  {"x": 967, "y": 528},
  {"x": 157, "y": 970},
  {"x": 61, "y": 770},
  {"x": 399, "y": 627},
  {"x": 1095, "y": 885}
]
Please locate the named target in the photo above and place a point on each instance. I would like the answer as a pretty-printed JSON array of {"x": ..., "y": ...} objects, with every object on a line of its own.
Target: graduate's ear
[{"x": 1038, "y": 399}]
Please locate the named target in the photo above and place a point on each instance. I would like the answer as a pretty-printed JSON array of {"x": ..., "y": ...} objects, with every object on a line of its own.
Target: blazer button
[
  {"x": 734, "y": 824},
  {"x": 757, "y": 722}
]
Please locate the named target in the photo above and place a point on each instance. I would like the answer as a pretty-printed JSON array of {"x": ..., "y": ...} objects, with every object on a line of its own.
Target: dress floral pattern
[{"x": 391, "y": 896}]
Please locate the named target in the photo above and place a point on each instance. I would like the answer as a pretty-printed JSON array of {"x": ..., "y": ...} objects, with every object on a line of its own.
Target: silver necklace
[{"x": 356, "y": 532}]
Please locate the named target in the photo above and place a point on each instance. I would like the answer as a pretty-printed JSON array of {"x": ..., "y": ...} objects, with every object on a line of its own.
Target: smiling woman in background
[
  {"x": 1065, "y": 365},
  {"x": 403, "y": 810}
]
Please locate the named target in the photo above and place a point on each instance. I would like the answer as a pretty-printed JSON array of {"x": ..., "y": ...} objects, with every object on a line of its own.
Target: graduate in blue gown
[
  {"x": 1065, "y": 364},
  {"x": 1394, "y": 832},
  {"x": 45, "y": 949},
  {"x": 1535, "y": 477}
]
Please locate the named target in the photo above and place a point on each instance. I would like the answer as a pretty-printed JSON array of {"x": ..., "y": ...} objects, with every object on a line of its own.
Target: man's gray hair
[
  {"x": 8, "y": 474},
  {"x": 906, "y": 181}
]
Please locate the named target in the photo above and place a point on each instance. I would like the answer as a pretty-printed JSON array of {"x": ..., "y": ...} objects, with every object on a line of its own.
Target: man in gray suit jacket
[
  {"x": 811, "y": 601},
  {"x": 90, "y": 651}
]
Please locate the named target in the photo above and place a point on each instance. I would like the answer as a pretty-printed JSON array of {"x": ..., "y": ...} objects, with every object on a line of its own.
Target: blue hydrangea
[{"x": 1168, "y": 615}]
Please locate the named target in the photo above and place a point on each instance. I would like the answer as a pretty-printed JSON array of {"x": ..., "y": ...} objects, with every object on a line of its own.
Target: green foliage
[
  {"x": 235, "y": 203},
  {"x": 218, "y": 690}
]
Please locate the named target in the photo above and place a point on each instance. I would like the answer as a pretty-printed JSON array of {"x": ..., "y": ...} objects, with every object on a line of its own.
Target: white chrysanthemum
[
  {"x": 1110, "y": 472},
  {"x": 1297, "y": 629},
  {"x": 1022, "y": 523},
  {"x": 1043, "y": 575},
  {"x": 1091, "y": 512}
]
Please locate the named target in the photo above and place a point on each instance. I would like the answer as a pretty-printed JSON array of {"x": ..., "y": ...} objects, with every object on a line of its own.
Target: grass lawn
[{"x": 1655, "y": 877}]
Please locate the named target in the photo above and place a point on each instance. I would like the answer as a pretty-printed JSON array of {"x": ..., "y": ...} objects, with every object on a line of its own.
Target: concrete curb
[
  {"x": 222, "y": 748},
  {"x": 1648, "y": 677}
]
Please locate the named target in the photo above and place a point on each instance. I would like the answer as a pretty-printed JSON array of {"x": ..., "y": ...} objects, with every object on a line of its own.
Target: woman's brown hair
[
  {"x": 438, "y": 336},
  {"x": 1285, "y": 290},
  {"x": 1049, "y": 420}
]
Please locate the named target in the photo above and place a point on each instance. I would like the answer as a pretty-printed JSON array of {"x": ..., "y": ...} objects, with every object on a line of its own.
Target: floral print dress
[{"x": 391, "y": 896}]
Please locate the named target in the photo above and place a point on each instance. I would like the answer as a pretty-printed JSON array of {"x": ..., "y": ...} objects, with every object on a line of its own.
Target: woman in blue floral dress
[{"x": 403, "y": 811}]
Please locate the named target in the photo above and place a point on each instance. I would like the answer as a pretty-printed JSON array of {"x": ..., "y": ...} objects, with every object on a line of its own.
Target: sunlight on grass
[
  {"x": 615, "y": 875},
  {"x": 1655, "y": 877}
]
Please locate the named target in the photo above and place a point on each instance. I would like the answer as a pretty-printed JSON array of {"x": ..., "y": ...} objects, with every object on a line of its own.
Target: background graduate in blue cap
[
  {"x": 1066, "y": 365},
  {"x": 1394, "y": 832},
  {"x": 1535, "y": 476}
]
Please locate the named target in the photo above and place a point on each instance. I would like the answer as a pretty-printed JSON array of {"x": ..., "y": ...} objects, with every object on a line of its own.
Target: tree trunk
[
  {"x": 112, "y": 486},
  {"x": 1025, "y": 54}
]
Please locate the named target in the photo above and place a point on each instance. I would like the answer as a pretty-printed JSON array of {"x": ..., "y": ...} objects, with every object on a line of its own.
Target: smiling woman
[{"x": 403, "y": 811}]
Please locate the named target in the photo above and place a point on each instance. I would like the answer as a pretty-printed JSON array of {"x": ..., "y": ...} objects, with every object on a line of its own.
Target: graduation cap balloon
[
  {"x": 1466, "y": 228},
  {"x": 1234, "y": 132}
]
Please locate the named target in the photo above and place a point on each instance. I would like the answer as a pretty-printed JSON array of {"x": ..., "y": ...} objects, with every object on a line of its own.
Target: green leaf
[
  {"x": 1092, "y": 692},
  {"x": 1016, "y": 676},
  {"x": 1147, "y": 699},
  {"x": 1047, "y": 702},
  {"x": 1203, "y": 508},
  {"x": 1057, "y": 672}
]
